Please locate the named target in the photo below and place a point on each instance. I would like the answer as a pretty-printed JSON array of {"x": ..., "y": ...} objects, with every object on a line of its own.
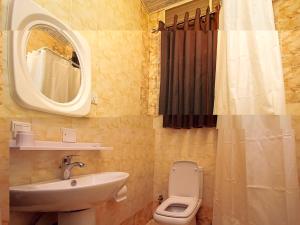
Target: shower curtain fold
[
  {"x": 55, "y": 77},
  {"x": 256, "y": 174},
  {"x": 249, "y": 74}
]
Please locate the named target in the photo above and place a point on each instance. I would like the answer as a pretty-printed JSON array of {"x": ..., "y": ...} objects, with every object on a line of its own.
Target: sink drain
[{"x": 73, "y": 183}]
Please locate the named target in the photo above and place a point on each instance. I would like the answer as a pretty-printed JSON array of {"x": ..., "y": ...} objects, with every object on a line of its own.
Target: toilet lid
[
  {"x": 184, "y": 179},
  {"x": 188, "y": 204}
]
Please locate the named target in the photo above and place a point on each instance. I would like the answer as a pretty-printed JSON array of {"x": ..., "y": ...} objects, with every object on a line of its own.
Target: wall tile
[
  {"x": 126, "y": 75},
  {"x": 287, "y": 17},
  {"x": 119, "y": 48}
]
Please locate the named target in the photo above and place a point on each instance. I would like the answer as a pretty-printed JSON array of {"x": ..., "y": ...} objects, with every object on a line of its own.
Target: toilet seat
[
  {"x": 188, "y": 205},
  {"x": 185, "y": 195}
]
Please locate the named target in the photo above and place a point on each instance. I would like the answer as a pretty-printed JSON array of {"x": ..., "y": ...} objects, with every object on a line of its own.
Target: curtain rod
[
  {"x": 59, "y": 55},
  {"x": 182, "y": 23}
]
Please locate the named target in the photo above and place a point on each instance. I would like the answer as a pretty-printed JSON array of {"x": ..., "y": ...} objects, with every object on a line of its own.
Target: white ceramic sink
[{"x": 62, "y": 196}]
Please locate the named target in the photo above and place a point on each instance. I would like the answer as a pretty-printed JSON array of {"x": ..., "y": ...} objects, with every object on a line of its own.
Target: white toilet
[{"x": 185, "y": 195}]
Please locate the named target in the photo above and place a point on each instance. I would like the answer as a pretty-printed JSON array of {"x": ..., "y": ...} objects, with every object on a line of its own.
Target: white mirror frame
[{"x": 24, "y": 15}]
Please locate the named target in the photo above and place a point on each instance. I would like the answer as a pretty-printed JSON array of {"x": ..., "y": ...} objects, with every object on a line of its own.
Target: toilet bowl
[{"x": 184, "y": 196}]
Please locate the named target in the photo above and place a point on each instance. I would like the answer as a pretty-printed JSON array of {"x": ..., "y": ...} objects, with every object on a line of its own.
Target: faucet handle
[
  {"x": 71, "y": 156},
  {"x": 68, "y": 159}
]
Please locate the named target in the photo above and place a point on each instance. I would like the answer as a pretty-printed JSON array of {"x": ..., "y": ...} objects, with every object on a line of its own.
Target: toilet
[{"x": 184, "y": 197}]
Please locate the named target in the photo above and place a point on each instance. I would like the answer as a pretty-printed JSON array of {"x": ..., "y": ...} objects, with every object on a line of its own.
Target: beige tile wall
[
  {"x": 197, "y": 145},
  {"x": 154, "y": 63},
  {"x": 132, "y": 140},
  {"x": 287, "y": 18},
  {"x": 296, "y": 127},
  {"x": 119, "y": 45},
  {"x": 117, "y": 32},
  {"x": 40, "y": 38},
  {"x": 287, "y": 14},
  {"x": 200, "y": 145},
  {"x": 4, "y": 156},
  {"x": 4, "y": 173},
  {"x": 124, "y": 53}
]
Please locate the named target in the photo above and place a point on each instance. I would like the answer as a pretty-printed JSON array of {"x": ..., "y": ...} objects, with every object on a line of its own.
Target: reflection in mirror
[{"x": 53, "y": 64}]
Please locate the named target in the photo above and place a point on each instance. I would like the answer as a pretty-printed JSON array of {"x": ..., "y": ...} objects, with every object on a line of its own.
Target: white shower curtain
[
  {"x": 74, "y": 83},
  {"x": 249, "y": 77},
  {"x": 256, "y": 174},
  {"x": 54, "y": 76}
]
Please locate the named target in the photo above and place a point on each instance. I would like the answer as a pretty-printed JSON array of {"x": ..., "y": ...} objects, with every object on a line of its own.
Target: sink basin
[{"x": 78, "y": 193}]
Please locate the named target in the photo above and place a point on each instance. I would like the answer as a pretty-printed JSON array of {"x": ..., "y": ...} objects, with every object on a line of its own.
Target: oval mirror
[
  {"x": 49, "y": 62},
  {"x": 53, "y": 64}
]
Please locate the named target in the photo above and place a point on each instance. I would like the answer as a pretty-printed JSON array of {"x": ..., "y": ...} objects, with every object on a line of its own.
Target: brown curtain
[{"x": 188, "y": 64}]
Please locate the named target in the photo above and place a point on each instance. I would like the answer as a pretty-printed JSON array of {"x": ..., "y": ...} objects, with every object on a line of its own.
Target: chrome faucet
[{"x": 67, "y": 165}]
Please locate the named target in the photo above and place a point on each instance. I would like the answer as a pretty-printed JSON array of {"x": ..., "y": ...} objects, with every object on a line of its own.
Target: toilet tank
[{"x": 186, "y": 179}]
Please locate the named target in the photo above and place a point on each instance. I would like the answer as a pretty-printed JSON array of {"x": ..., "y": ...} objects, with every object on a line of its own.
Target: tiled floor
[{"x": 151, "y": 222}]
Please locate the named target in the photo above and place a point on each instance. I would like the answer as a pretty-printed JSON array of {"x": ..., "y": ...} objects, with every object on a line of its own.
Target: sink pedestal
[{"x": 82, "y": 217}]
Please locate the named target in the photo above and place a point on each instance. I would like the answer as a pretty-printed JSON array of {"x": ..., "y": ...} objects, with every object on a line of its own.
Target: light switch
[
  {"x": 19, "y": 126},
  {"x": 68, "y": 135}
]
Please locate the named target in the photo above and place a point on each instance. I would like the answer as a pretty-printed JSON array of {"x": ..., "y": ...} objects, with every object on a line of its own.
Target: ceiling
[{"x": 156, "y": 5}]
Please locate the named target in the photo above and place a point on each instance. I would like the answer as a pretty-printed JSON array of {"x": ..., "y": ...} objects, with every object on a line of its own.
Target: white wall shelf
[{"x": 58, "y": 146}]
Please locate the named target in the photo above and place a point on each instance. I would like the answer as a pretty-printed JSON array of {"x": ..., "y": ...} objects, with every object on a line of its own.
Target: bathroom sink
[{"x": 78, "y": 193}]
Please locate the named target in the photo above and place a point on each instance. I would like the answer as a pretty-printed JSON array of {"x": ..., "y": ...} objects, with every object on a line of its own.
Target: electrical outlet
[
  {"x": 68, "y": 135},
  {"x": 17, "y": 126}
]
